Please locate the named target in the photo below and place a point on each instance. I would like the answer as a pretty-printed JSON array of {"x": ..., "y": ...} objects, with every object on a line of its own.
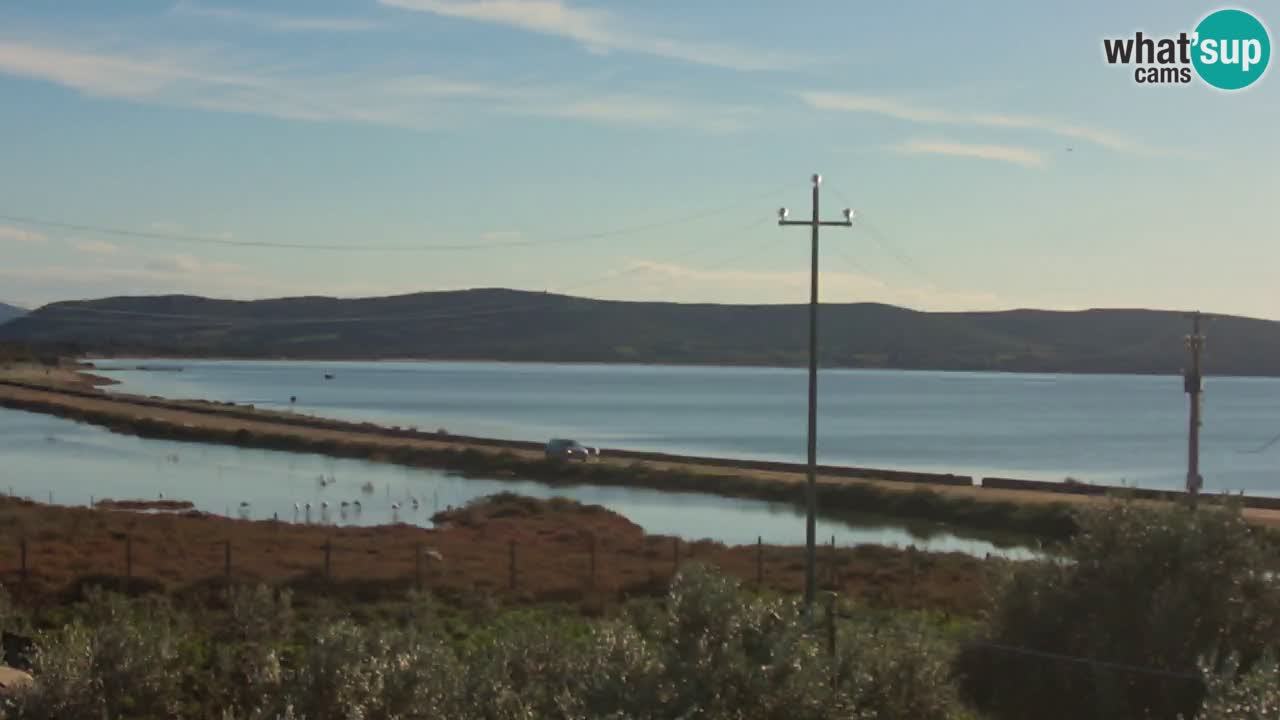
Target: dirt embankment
[
  {"x": 1011, "y": 512},
  {"x": 561, "y": 551},
  {"x": 67, "y": 374},
  {"x": 160, "y": 505}
]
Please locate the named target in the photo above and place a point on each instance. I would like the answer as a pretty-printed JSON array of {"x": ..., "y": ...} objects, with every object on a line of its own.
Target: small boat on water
[{"x": 328, "y": 376}]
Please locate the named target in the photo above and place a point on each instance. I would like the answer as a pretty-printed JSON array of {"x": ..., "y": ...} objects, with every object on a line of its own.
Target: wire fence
[
  {"x": 429, "y": 567},
  {"x": 428, "y": 562}
]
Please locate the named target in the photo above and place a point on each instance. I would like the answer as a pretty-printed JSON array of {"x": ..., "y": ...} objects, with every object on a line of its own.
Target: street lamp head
[
  {"x": 848, "y": 214},
  {"x": 817, "y": 179},
  {"x": 782, "y": 214}
]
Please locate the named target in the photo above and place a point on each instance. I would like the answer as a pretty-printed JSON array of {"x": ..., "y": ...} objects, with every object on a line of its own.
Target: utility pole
[
  {"x": 1193, "y": 385},
  {"x": 811, "y": 486}
]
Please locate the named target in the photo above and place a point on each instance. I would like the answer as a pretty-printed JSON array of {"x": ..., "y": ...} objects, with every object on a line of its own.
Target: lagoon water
[
  {"x": 52, "y": 459},
  {"x": 1098, "y": 428}
]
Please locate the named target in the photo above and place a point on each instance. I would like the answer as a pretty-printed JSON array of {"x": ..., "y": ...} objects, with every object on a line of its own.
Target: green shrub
[
  {"x": 1250, "y": 696},
  {"x": 347, "y": 671},
  {"x": 726, "y": 654},
  {"x": 120, "y": 660},
  {"x": 249, "y": 647},
  {"x": 1162, "y": 588},
  {"x": 709, "y": 650},
  {"x": 897, "y": 669}
]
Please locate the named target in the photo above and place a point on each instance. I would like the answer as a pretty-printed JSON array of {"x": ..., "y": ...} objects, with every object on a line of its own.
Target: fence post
[
  {"x": 759, "y": 561},
  {"x": 417, "y": 566},
  {"x": 328, "y": 551},
  {"x": 831, "y": 568},
  {"x": 22, "y": 547},
  {"x": 911, "y": 562},
  {"x": 512, "y": 578},
  {"x": 592, "y": 550},
  {"x": 831, "y": 640},
  {"x": 128, "y": 556},
  {"x": 226, "y": 560},
  {"x": 675, "y": 555}
]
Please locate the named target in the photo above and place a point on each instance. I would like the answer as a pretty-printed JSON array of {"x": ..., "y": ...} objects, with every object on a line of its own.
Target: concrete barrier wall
[
  {"x": 1249, "y": 501},
  {"x": 1002, "y": 483},
  {"x": 1263, "y": 503},
  {"x": 788, "y": 467}
]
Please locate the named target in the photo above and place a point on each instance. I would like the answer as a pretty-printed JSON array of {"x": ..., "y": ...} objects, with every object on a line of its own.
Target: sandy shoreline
[{"x": 77, "y": 376}]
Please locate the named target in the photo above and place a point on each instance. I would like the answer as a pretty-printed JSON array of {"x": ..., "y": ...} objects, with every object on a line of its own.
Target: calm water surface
[
  {"x": 48, "y": 458},
  {"x": 1103, "y": 429}
]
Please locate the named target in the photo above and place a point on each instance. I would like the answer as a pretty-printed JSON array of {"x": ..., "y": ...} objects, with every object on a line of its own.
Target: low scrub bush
[
  {"x": 120, "y": 659},
  {"x": 1151, "y": 593},
  {"x": 1233, "y": 695},
  {"x": 708, "y": 650}
]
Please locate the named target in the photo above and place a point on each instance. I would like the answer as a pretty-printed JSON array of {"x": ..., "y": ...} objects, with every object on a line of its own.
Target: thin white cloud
[
  {"x": 1025, "y": 157},
  {"x": 878, "y": 106},
  {"x": 901, "y": 110},
  {"x": 598, "y": 31},
  {"x": 183, "y": 264},
  {"x": 174, "y": 228},
  {"x": 501, "y": 235},
  {"x": 647, "y": 112},
  {"x": 96, "y": 247},
  {"x": 8, "y": 233},
  {"x": 135, "y": 74},
  {"x": 275, "y": 21},
  {"x": 167, "y": 226},
  {"x": 659, "y": 280},
  {"x": 180, "y": 274},
  {"x": 223, "y": 82}
]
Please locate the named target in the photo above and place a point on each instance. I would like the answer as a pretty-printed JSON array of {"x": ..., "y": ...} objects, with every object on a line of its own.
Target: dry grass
[{"x": 468, "y": 556}]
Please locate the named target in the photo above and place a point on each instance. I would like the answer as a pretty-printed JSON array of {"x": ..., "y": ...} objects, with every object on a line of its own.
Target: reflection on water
[
  {"x": 47, "y": 457},
  {"x": 1106, "y": 429}
]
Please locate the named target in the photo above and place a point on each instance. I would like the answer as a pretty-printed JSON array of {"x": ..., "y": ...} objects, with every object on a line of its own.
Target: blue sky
[{"x": 629, "y": 151}]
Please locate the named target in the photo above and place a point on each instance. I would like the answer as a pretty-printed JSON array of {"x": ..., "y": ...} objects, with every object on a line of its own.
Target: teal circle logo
[{"x": 1232, "y": 49}]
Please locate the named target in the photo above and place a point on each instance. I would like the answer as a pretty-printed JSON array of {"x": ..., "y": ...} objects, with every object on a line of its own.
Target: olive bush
[
  {"x": 346, "y": 671},
  {"x": 709, "y": 651},
  {"x": 1150, "y": 592},
  {"x": 121, "y": 659},
  {"x": 1254, "y": 695}
]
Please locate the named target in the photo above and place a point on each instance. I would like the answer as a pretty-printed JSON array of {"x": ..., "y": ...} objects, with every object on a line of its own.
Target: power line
[
  {"x": 898, "y": 254},
  {"x": 420, "y": 247},
  {"x": 697, "y": 249},
  {"x": 456, "y": 314},
  {"x": 502, "y": 310},
  {"x": 857, "y": 266},
  {"x": 889, "y": 246},
  {"x": 1124, "y": 667},
  {"x": 1265, "y": 446}
]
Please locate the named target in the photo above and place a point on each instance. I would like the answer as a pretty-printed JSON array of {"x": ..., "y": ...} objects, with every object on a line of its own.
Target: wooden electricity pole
[
  {"x": 811, "y": 489},
  {"x": 1193, "y": 385}
]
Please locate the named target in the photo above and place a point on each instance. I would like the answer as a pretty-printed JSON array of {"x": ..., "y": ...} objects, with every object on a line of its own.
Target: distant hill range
[
  {"x": 526, "y": 326},
  {"x": 9, "y": 312}
]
